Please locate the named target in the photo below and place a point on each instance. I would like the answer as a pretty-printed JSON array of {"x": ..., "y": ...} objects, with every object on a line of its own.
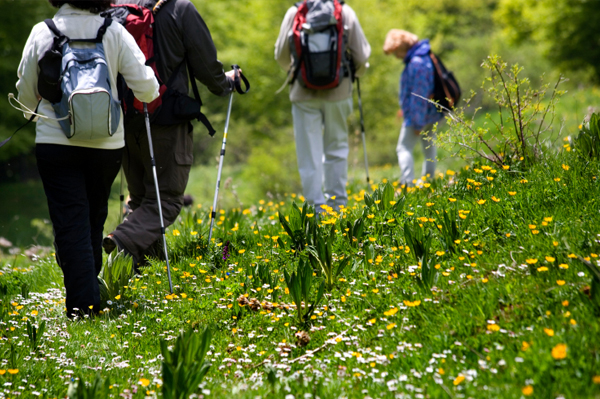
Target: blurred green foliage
[{"x": 462, "y": 32}]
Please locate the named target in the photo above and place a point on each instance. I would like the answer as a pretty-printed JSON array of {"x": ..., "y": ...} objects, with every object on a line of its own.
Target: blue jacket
[{"x": 418, "y": 78}]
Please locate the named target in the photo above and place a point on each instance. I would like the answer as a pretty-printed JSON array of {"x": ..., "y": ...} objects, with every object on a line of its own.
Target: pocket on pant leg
[{"x": 184, "y": 146}]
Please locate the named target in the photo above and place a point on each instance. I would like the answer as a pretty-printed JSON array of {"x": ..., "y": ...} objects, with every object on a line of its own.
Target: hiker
[
  {"x": 182, "y": 39},
  {"x": 320, "y": 113},
  {"x": 419, "y": 115},
  {"x": 77, "y": 172}
]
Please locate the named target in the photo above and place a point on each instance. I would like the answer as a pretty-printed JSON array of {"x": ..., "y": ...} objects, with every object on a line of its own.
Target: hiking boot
[{"x": 109, "y": 243}]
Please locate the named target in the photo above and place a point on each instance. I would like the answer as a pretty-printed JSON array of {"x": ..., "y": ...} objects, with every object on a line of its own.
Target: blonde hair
[{"x": 399, "y": 40}]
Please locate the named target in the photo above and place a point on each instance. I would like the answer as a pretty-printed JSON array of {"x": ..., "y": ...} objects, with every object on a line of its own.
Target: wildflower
[
  {"x": 527, "y": 390},
  {"x": 391, "y": 312},
  {"x": 531, "y": 261},
  {"x": 512, "y": 193},
  {"x": 542, "y": 269},
  {"x": 495, "y": 199},
  {"x": 550, "y": 259},
  {"x": 493, "y": 327},
  {"x": 2, "y": 372},
  {"x": 549, "y": 332},
  {"x": 565, "y": 167},
  {"x": 411, "y": 304},
  {"x": 12, "y": 371},
  {"x": 241, "y": 251},
  {"x": 452, "y": 199},
  {"x": 505, "y": 167},
  {"x": 459, "y": 379},
  {"x": 565, "y": 303},
  {"x": 390, "y": 326},
  {"x": 375, "y": 290},
  {"x": 430, "y": 204},
  {"x": 525, "y": 346},
  {"x": 176, "y": 232},
  {"x": 560, "y": 282},
  {"x": 563, "y": 266},
  {"x": 144, "y": 382},
  {"x": 371, "y": 216},
  {"x": 481, "y": 201},
  {"x": 596, "y": 379},
  {"x": 559, "y": 351}
]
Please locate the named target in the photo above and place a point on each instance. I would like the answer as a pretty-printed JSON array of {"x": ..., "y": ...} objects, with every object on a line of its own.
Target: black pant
[{"x": 77, "y": 184}]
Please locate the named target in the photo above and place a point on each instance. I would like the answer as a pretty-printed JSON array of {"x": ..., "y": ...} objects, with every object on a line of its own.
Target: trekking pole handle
[{"x": 238, "y": 77}]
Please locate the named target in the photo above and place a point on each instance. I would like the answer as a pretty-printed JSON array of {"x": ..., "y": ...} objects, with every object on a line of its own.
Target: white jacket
[{"x": 122, "y": 56}]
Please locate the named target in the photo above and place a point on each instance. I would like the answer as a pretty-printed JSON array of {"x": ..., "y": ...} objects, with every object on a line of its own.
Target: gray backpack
[{"x": 81, "y": 97}]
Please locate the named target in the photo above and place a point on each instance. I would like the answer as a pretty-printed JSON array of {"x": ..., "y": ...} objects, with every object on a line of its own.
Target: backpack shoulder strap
[
  {"x": 52, "y": 26},
  {"x": 103, "y": 28}
]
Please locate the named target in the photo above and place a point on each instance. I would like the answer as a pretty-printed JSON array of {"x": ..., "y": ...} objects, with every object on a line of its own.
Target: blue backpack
[{"x": 76, "y": 81}]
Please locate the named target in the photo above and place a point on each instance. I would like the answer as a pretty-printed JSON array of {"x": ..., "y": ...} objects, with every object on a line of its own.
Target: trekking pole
[
  {"x": 362, "y": 128},
  {"x": 121, "y": 197},
  {"x": 162, "y": 223},
  {"x": 237, "y": 76}
]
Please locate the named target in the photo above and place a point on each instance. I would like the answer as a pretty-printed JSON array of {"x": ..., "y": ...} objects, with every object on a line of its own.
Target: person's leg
[
  {"x": 429, "y": 152},
  {"x": 308, "y": 132},
  {"x": 100, "y": 172},
  {"x": 404, "y": 149},
  {"x": 62, "y": 172},
  {"x": 335, "y": 145},
  {"x": 173, "y": 155}
]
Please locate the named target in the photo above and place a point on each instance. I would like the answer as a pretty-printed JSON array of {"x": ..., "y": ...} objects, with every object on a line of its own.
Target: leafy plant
[
  {"x": 100, "y": 388},
  {"x": 184, "y": 367},
  {"x": 355, "y": 231},
  {"x": 300, "y": 225},
  {"x": 320, "y": 255},
  {"x": 383, "y": 199},
  {"x": 115, "y": 275},
  {"x": 301, "y": 285},
  {"x": 35, "y": 333},
  {"x": 515, "y": 132},
  {"x": 588, "y": 140},
  {"x": 450, "y": 229},
  {"x": 419, "y": 242}
]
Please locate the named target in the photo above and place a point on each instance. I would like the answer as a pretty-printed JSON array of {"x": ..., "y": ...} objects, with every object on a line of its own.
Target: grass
[{"x": 509, "y": 313}]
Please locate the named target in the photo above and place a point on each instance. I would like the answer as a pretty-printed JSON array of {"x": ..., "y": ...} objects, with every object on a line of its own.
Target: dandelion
[
  {"x": 459, "y": 379},
  {"x": 527, "y": 390},
  {"x": 559, "y": 351}
]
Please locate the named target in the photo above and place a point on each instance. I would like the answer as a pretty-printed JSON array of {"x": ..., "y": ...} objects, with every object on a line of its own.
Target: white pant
[
  {"x": 321, "y": 132},
  {"x": 406, "y": 143}
]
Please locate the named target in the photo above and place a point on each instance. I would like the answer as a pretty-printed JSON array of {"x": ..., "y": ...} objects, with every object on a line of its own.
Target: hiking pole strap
[
  {"x": 238, "y": 78},
  {"x": 33, "y": 115},
  {"x": 201, "y": 118}
]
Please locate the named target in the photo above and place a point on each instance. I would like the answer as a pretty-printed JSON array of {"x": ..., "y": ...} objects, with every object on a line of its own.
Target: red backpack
[
  {"x": 319, "y": 44},
  {"x": 171, "y": 107}
]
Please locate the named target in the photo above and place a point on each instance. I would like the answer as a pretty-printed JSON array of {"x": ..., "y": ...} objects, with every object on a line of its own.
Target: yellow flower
[
  {"x": 481, "y": 201},
  {"x": 512, "y": 193},
  {"x": 34, "y": 312},
  {"x": 2, "y": 372},
  {"x": 412, "y": 304},
  {"x": 549, "y": 332},
  {"x": 372, "y": 321},
  {"x": 375, "y": 290},
  {"x": 542, "y": 269},
  {"x": 390, "y": 326},
  {"x": 495, "y": 199},
  {"x": 563, "y": 266},
  {"x": 241, "y": 251},
  {"x": 565, "y": 167},
  {"x": 459, "y": 379},
  {"x": 550, "y": 259},
  {"x": 559, "y": 351},
  {"x": 430, "y": 204},
  {"x": 505, "y": 167},
  {"x": 493, "y": 327},
  {"x": 371, "y": 216},
  {"x": 118, "y": 297},
  {"x": 144, "y": 382},
  {"x": 560, "y": 282},
  {"x": 176, "y": 232},
  {"x": 391, "y": 312},
  {"x": 452, "y": 199},
  {"x": 596, "y": 379},
  {"x": 531, "y": 261},
  {"x": 194, "y": 233},
  {"x": 527, "y": 390},
  {"x": 13, "y": 371},
  {"x": 525, "y": 346}
]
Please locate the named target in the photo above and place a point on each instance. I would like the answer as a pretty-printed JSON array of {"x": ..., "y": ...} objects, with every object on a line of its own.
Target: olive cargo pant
[{"x": 173, "y": 153}]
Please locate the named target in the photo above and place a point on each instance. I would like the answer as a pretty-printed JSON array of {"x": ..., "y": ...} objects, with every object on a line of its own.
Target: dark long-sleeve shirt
[{"x": 181, "y": 31}]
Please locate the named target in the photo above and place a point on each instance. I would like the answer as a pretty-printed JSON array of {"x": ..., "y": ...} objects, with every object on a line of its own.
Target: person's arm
[
  {"x": 28, "y": 73},
  {"x": 357, "y": 42},
  {"x": 132, "y": 65},
  {"x": 282, "y": 46},
  {"x": 201, "y": 51}
]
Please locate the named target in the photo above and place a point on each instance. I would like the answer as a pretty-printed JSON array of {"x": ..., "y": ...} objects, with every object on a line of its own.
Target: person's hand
[
  {"x": 400, "y": 114},
  {"x": 231, "y": 74}
]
